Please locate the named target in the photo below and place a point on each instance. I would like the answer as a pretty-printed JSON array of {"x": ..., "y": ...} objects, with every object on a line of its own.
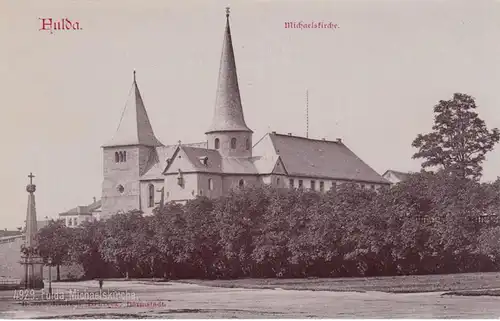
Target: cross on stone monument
[
  {"x": 31, "y": 176},
  {"x": 31, "y": 260},
  {"x": 227, "y": 11}
]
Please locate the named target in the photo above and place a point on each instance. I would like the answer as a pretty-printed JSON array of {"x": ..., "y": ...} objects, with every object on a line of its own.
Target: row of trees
[
  {"x": 430, "y": 223},
  {"x": 266, "y": 232}
]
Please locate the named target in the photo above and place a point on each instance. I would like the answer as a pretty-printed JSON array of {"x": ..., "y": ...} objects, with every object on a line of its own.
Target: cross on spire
[
  {"x": 134, "y": 75},
  {"x": 31, "y": 176},
  {"x": 227, "y": 12}
]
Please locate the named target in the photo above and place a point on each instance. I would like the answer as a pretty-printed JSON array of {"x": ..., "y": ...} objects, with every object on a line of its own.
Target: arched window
[
  {"x": 210, "y": 184},
  {"x": 117, "y": 157},
  {"x": 241, "y": 183},
  {"x": 233, "y": 143},
  {"x": 217, "y": 143},
  {"x": 247, "y": 144},
  {"x": 124, "y": 156},
  {"x": 151, "y": 194}
]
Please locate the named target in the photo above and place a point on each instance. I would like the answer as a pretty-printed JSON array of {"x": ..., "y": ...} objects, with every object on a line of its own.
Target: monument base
[{"x": 32, "y": 277}]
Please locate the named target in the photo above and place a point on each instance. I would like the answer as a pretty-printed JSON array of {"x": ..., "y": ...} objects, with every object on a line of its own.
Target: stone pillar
[{"x": 32, "y": 277}]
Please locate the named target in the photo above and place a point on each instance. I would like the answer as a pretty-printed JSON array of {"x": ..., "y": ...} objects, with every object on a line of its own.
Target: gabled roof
[
  {"x": 266, "y": 164},
  {"x": 216, "y": 163},
  {"x": 195, "y": 156},
  {"x": 83, "y": 210},
  {"x": 134, "y": 127},
  {"x": 399, "y": 175},
  {"x": 320, "y": 158},
  {"x": 228, "y": 113},
  {"x": 157, "y": 166}
]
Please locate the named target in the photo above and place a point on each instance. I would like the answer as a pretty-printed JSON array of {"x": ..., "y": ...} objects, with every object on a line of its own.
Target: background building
[
  {"x": 395, "y": 176},
  {"x": 79, "y": 214}
]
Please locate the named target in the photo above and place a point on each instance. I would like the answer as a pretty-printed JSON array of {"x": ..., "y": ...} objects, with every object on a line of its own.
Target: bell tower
[
  {"x": 229, "y": 133},
  {"x": 126, "y": 156}
]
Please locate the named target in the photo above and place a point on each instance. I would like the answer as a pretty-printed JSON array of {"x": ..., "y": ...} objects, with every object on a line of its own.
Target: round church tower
[{"x": 229, "y": 133}]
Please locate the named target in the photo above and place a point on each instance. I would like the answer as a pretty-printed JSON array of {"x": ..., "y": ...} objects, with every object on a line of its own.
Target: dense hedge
[{"x": 427, "y": 224}]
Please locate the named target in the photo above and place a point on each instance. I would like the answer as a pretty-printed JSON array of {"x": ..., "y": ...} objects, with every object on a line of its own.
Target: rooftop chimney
[
  {"x": 289, "y": 134},
  {"x": 323, "y": 138},
  {"x": 95, "y": 199},
  {"x": 274, "y": 133},
  {"x": 339, "y": 140}
]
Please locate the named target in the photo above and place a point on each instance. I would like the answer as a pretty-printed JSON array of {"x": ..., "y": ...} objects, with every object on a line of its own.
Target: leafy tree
[
  {"x": 84, "y": 249},
  {"x": 54, "y": 243},
  {"x": 168, "y": 226},
  {"x": 123, "y": 243},
  {"x": 459, "y": 139},
  {"x": 201, "y": 249},
  {"x": 239, "y": 215}
]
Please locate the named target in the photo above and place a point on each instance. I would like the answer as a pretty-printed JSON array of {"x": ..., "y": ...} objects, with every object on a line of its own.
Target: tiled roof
[
  {"x": 158, "y": 165},
  {"x": 196, "y": 155},
  {"x": 238, "y": 165},
  {"x": 83, "y": 210},
  {"x": 217, "y": 163},
  {"x": 228, "y": 113},
  {"x": 134, "y": 127},
  {"x": 320, "y": 158}
]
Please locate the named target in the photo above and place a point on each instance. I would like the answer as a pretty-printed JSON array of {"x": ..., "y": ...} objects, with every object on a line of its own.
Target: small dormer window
[
  {"x": 204, "y": 160},
  {"x": 217, "y": 143},
  {"x": 233, "y": 143}
]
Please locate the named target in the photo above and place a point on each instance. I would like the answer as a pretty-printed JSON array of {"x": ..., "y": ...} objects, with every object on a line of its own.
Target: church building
[{"x": 140, "y": 172}]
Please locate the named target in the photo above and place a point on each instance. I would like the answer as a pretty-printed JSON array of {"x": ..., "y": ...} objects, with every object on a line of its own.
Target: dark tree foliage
[
  {"x": 459, "y": 139},
  {"x": 54, "y": 244},
  {"x": 431, "y": 223}
]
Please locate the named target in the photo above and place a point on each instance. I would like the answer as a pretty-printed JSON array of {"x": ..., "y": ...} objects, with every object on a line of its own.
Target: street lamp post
[{"x": 50, "y": 276}]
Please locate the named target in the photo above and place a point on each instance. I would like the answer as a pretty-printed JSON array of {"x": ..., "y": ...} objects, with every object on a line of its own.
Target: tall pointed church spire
[
  {"x": 135, "y": 127},
  {"x": 228, "y": 115}
]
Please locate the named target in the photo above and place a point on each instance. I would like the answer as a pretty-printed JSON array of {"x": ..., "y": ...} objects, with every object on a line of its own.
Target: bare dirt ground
[{"x": 183, "y": 300}]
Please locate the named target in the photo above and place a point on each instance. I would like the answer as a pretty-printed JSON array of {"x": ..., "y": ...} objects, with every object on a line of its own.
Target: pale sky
[{"x": 373, "y": 82}]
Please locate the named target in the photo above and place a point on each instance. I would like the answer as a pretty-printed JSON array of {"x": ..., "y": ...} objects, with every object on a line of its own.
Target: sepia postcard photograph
[{"x": 258, "y": 159}]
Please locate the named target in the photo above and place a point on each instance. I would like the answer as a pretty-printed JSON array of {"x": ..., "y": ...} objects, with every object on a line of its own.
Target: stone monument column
[{"x": 33, "y": 264}]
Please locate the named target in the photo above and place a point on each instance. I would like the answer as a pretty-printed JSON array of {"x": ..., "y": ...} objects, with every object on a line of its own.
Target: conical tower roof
[
  {"x": 228, "y": 114},
  {"x": 134, "y": 127}
]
